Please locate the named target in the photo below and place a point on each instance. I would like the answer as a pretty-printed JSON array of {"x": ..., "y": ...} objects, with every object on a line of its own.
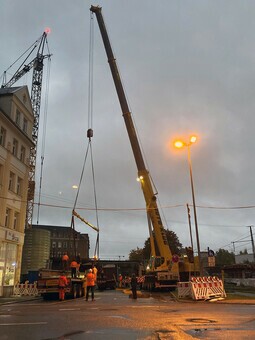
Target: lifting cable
[{"x": 89, "y": 146}]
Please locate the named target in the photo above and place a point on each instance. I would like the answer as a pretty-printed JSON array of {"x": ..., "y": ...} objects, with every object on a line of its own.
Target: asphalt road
[{"x": 115, "y": 316}]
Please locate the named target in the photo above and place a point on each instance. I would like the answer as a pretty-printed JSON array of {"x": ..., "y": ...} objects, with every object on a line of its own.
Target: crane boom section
[{"x": 150, "y": 198}]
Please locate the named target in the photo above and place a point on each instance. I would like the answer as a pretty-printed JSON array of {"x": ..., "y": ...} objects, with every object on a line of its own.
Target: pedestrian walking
[
  {"x": 65, "y": 260},
  {"x": 90, "y": 285},
  {"x": 62, "y": 283},
  {"x": 73, "y": 267},
  {"x": 134, "y": 286}
]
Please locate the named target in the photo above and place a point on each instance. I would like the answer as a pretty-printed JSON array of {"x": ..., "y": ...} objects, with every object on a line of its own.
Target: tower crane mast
[{"x": 37, "y": 65}]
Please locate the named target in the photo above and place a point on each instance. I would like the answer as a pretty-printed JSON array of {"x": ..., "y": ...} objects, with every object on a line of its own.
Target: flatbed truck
[{"x": 48, "y": 284}]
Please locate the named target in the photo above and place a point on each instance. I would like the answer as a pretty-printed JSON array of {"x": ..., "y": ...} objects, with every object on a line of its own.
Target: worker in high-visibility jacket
[
  {"x": 73, "y": 267},
  {"x": 62, "y": 283},
  {"x": 65, "y": 260},
  {"x": 90, "y": 284}
]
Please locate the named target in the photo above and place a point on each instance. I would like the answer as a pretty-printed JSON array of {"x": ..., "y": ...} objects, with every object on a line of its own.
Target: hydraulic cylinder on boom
[{"x": 163, "y": 272}]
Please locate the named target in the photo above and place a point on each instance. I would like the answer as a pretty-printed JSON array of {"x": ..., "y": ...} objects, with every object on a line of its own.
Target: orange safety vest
[
  {"x": 65, "y": 258},
  {"x": 62, "y": 281},
  {"x": 90, "y": 279},
  {"x": 74, "y": 264}
]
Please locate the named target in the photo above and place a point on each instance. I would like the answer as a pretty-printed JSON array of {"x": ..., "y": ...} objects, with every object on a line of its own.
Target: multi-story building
[
  {"x": 63, "y": 240},
  {"x": 45, "y": 244},
  {"x": 16, "y": 123}
]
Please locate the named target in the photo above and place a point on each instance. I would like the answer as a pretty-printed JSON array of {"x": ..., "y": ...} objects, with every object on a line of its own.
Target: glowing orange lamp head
[{"x": 179, "y": 144}]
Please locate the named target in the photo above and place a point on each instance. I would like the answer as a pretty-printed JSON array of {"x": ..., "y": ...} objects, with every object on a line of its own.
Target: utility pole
[
  {"x": 191, "y": 239},
  {"x": 195, "y": 213},
  {"x": 252, "y": 243},
  {"x": 234, "y": 247}
]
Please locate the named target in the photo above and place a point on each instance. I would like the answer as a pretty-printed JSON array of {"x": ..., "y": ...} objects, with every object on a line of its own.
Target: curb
[{"x": 10, "y": 300}]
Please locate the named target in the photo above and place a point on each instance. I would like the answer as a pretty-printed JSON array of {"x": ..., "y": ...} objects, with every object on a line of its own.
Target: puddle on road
[
  {"x": 200, "y": 320},
  {"x": 119, "y": 317},
  {"x": 119, "y": 333},
  {"x": 203, "y": 332},
  {"x": 168, "y": 311}
]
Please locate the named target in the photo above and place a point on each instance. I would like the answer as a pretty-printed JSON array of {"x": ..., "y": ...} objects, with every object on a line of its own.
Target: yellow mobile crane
[{"x": 164, "y": 269}]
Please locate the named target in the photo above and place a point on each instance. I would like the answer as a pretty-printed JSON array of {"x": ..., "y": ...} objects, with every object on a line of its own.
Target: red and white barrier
[
  {"x": 27, "y": 289},
  {"x": 184, "y": 289},
  {"x": 202, "y": 288}
]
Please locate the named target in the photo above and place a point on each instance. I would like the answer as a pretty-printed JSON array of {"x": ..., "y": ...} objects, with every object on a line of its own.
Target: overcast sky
[{"x": 188, "y": 67}]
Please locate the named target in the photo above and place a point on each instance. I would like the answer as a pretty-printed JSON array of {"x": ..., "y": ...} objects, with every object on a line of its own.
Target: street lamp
[{"x": 180, "y": 144}]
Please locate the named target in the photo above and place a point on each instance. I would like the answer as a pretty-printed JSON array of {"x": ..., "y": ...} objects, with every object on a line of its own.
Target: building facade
[
  {"x": 16, "y": 124},
  {"x": 244, "y": 258}
]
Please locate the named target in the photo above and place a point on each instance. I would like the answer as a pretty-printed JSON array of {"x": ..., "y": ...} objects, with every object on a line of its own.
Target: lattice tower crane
[{"x": 37, "y": 65}]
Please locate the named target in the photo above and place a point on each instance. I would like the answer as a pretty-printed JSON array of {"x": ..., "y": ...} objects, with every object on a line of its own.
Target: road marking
[
  {"x": 61, "y": 309},
  {"x": 23, "y": 323}
]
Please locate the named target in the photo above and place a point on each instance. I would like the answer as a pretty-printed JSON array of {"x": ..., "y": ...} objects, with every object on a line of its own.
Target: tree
[
  {"x": 136, "y": 254},
  {"x": 173, "y": 241},
  {"x": 244, "y": 252},
  {"x": 224, "y": 257},
  {"x": 144, "y": 253}
]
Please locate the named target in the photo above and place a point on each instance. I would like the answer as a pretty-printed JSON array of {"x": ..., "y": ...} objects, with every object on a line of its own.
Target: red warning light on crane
[{"x": 47, "y": 30}]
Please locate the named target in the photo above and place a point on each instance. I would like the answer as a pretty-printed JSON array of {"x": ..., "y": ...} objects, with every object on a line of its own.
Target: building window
[
  {"x": 15, "y": 147},
  {"x": 7, "y": 217},
  {"x": 53, "y": 244},
  {"x": 19, "y": 186},
  {"x": 17, "y": 118},
  {"x": 22, "y": 154},
  {"x": 64, "y": 244},
  {"x": 2, "y": 136},
  {"x": 11, "y": 181},
  {"x": 16, "y": 221},
  {"x": 59, "y": 244},
  {"x": 25, "y": 123}
]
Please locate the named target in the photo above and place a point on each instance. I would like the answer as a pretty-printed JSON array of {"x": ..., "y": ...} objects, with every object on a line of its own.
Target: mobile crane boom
[{"x": 166, "y": 263}]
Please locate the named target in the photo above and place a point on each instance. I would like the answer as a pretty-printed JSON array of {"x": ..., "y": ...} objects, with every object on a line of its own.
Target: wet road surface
[{"x": 115, "y": 316}]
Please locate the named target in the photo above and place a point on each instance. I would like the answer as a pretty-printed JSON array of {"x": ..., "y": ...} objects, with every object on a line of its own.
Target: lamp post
[{"x": 180, "y": 144}]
